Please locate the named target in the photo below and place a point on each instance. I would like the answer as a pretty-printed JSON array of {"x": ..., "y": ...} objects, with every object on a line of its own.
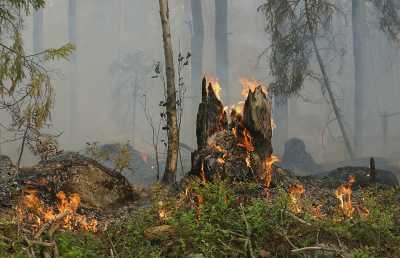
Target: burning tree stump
[
  {"x": 211, "y": 116},
  {"x": 239, "y": 149},
  {"x": 97, "y": 186},
  {"x": 257, "y": 119}
]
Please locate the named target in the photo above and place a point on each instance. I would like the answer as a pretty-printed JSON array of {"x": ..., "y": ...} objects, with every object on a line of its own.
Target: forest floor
[{"x": 221, "y": 219}]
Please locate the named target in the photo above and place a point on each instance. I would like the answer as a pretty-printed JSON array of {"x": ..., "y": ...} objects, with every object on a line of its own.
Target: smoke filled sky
[{"x": 108, "y": 30}]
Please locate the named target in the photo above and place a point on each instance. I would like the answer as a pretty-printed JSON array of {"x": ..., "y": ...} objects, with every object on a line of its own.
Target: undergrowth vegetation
[{"x": 224, "y": 220}]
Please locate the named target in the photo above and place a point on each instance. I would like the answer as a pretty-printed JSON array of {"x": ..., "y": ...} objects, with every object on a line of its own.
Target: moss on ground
[{"x": 233, "y": 220}]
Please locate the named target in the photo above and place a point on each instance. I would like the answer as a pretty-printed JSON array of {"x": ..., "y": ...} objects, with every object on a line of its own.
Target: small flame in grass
[
  {"x": 32, "y": 210},
  {"x": 248, "y": 160},
  {"x": 268, "y": 170},
  {"x": 202, "y": 173},
  {"x": 343, "y": 193},
  {"x": 221, "y": 161},
  {"x": 295, "y": 193},
  {"x": 199, "y": 201},
  {"x": 162, "y": 212},
  {"x": 317, "y": 212}
]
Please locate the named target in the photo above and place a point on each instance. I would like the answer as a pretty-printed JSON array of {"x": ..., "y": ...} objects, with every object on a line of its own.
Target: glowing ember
[
  {"x": 221, "y": 161},
  {"x": 199, "y": 201},
  {"x": 144, "y": 157},
  {"x": 273, "y": 124},
  {"x": 33, "y": 211},
  {"x": 268, "y": 170},
  {"x": 202, "y": 173},
  {"x": 162, "y": 213},
  {"x": 251, "y": 85},
  {"x": 248, "y": 161},
  {"x": 246, "y": 142},
  {"x": 316, "y": 212},
  {"x": 343, "y": 193},
  {"x": 295, "y": 193}
]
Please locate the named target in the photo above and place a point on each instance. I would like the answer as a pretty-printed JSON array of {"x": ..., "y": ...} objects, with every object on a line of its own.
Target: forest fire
[
  {"x": 32, "y": 210},
  {"x": 343, "y": 193}
]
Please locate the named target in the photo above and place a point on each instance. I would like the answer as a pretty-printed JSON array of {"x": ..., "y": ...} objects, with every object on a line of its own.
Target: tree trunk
[
  {"x": 38, "y": 31},
  {"x": 197, "y": 54},
  {"x": 221, "y": 46},
  {"x": 173, "y": 137},
  {"x": 281, "y": 117},
  {"x": 72, "y": 37},
  {"x": 327, "y": 86},
  {"x": 134, "y": 100},
  {"x": 359, "y": 49}
]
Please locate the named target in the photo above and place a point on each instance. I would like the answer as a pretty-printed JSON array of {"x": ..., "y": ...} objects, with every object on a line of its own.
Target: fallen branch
[
  {"x": 248, "y": 231},
  {"x": 297, "y": 218},
  {"x": 50, "y": 223},
  {"x": 40, "y": 243},
  {"x": 316, "y": 248}
]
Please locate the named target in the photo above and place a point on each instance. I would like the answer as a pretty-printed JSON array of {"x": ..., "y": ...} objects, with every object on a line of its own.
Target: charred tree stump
[
  {"x": 237, "y": 151},
  {"x": 257, "y": 120},
  {"x": 211, "y": 117}
]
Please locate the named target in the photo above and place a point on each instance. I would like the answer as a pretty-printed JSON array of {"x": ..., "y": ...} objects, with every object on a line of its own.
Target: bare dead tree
[
  {"x": 172, "y": 127},
  {"x": 155, "y": 132}
]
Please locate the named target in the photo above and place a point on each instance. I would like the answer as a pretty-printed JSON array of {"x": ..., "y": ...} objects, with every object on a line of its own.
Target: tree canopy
[{"x": 26, "y": 91}]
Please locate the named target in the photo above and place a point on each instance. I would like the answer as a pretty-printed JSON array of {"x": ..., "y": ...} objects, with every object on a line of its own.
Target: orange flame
[
  {"x": 317, "y": 212},
  {"x": 202, "y": 173},
  {"x": 215, "y": 86},
  {"x": 221, "y": 161},
  {"x": 199, "y": 201},
  {"x": 343, "y": 193},
  {"x": 32, "y": 210},
  {"x": 295, "y": 193},
  {"x": 246, "y": 143},
  {"x": 251, "y": 85},
  {"x": 268, "y": 170}
]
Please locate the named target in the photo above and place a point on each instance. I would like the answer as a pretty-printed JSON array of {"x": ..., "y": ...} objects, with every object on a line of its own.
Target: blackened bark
[
  {"x": 211, "y": 117},
  {"x": 257, "y": 119}
]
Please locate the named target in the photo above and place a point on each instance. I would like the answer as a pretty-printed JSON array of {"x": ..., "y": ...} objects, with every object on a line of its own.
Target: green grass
[{"x": 227, "y": 227}]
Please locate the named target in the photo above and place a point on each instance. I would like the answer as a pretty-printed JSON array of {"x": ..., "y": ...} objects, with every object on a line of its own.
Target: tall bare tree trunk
[
  {"x": 221, "y": 45},
  {"x": 38, "y": 30},
  {"x": 281, "y": 117},
  {"x": 173, "y": 137},
  {"x": 327, "y": 85},
  {"x": 359, "y": 52},
  {"x": 72, "y": 37},
  {"x": 197, "y": 56}
]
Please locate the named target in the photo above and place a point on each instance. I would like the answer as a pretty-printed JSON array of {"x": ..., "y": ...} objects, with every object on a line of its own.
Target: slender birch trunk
[{"x": 173, "y": 137}]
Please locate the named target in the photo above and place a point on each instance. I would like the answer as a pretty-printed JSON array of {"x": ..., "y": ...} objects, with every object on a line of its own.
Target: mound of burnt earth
[
  {"x": 97, "y": 186},
  {"x": 297, "y": 159},
  {"x": 363, "y": 177}
]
